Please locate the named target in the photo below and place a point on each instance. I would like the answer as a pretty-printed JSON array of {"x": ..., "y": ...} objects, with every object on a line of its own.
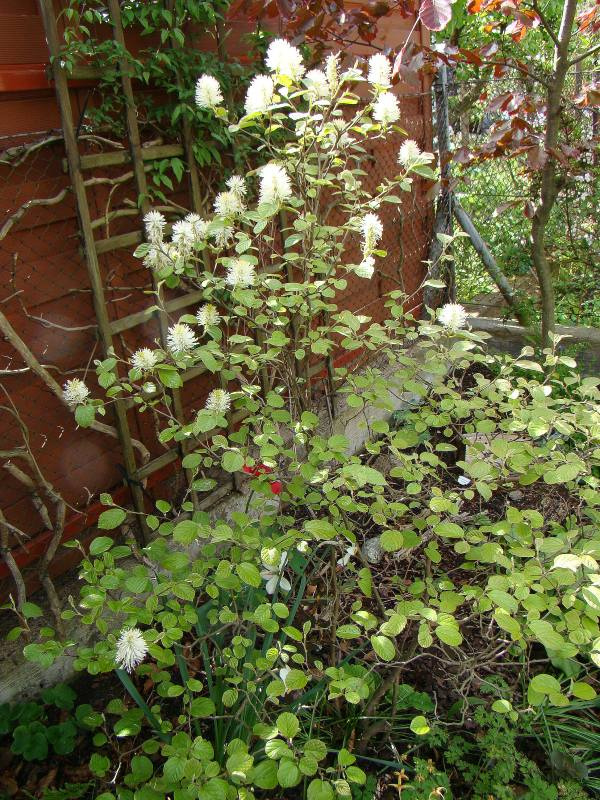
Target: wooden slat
[
  {"x": 117, "y": 157},
  {"x": 126, "y": 323},
  {"x": 117, "y": 242}
]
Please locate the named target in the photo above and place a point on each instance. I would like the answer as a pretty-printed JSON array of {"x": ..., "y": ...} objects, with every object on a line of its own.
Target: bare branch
[
  {"x": 38, "y": 201},
  {"x": 31, "y": 361}
]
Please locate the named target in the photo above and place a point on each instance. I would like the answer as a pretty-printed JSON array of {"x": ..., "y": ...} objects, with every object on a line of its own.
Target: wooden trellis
[{"x": 93, "y": 248}]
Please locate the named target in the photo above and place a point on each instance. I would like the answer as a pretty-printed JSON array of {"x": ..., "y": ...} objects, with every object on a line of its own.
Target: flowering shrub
[{"x": 459, "y": 568}]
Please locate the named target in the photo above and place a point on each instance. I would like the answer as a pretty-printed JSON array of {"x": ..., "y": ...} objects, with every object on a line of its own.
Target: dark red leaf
[{"x": 436, "y": 14}]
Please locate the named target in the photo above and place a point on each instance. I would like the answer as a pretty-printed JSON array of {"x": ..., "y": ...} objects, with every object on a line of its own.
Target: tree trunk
[{"x": 549, "y": 186}]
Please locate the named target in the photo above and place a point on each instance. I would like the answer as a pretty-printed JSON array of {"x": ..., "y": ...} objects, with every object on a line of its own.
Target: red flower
[
  {"x": 257, "y": 470},
  {"x": 276, "y": 487}
]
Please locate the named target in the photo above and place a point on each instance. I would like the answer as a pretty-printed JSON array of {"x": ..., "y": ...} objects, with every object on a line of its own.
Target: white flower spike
[
  {"x": 317, "y": 83},
  {"x": 132, "y": 649},
  {"x": 275, "y": 184},
  {"x": 240, "y": 274},
  {"x": 229, "y": 204},
  {"x": 198, "y": 226},
  {"x": 332, "y": 70},
  {"x": 75, "y": 392},
  {"x": 237, "y": 185},
  {"x": 372, "y": 231},
  {"x": 285, "y": 60},
  {"x": 380, "y": 71},
  {"x": 144, "y": 359},
  {"x": 260, "y": 95},
  {"x": 154, "y": 223},
  {"x": 386, "y": 109},
  {"x": 208, "y": 92},
  {"x": 208, "y": 316},
  {"x": 181, "y": 339},
  {"x": 218, "y": 401},
  {"x": 452, "y": 316},
  {"x": 410, "y": 153}
]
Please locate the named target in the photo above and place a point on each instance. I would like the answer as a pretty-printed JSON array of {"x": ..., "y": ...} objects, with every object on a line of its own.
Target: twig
[{"x": 31, "y": 361}]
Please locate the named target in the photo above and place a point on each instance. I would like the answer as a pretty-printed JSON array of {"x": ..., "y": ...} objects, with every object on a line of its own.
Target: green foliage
[
  {"x": 256, "y": 650},
  {"x": 36, "y": 729}
]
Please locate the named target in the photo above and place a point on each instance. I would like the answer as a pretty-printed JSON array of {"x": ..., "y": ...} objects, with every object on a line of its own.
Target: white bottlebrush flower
[
  {"x": 285, "y": 59},
  {"x": 386, "y": 109},
  {"x": 317, "y": 83},
  {"x": 154, "y": 223},
  {"x": 380, "y": 71},
  {"x": 208, "y": 92},
  {"x": 181, "y": 339},
  {"x": 198, "y": 226},
  {"x": 452, "y": 316},
  {"x": 410, "y": 152},
  {"x": 223, "y": 236},
  {"x": 275, "y": 184},
  {"x": 153, "y": 258},
  {"x": 332, "y": 70},
  {"x": 144, "y": 359},
  {"x": 229, "y": 204},
  {"x": 132, "y": 649},
  {"x": 218, "y": 401},
  {"x": 240, "y": 274},
  {"x": 349, "y": 554},
  {"x": 184, "y": 236},
  {"x": 237, "y": 185},
  {"x": 260, "y": 95},
  {"x": 372, "y": 230},
  {"x": 207, "y": 315},
  {"x": 75, "y": 392},
  {"x": 274, "y": 577},
  {"x": 366, "y": 268}
]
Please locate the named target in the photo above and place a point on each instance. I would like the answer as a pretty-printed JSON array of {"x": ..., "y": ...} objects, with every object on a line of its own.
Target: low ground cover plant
[{"x": 362, "y": 608}]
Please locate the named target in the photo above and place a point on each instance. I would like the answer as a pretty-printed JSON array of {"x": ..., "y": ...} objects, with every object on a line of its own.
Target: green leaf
[
  {"x": 202, "y": 707},
  {"x": 501, "y": 706},
  {"x": 111, "y": 519},
  {"x": 391, "y": 541},
  {"x": 583, "y": 690},
  {"x": 562, "y": 474},
  {"x": 363, "y": 475},
  {"x": 449, "y": 635},
  {"x": 85, "y": 415},
  {"x": 288, "y": 725},
  {"x": 99, "y": 764},
  {"x": 232, "y": 461},
  {"x": 185, "y": 532},
  {"x": 101, "y": 544},
  {"x": 348, "y": 631},
  {"x": 170, "y": 378},
  {"x": 419, "y": 726},
  {"x": 264, "y": 774},
  {"x": 319, "y": 790},
  {"x": 544, "y": 684},
  {"x": 249, "y": 574},
  {"x": 288, "y": 773},
  {"x": 384, "y": 647}
]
